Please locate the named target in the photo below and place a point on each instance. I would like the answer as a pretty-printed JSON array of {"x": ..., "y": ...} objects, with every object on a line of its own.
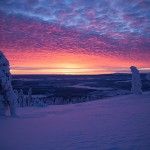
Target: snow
[
  {"x": 118, "y": 123},
  {"x": 89, "y": 87}
]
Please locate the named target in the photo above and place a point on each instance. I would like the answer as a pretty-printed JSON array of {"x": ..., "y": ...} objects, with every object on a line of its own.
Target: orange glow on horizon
[{"x": 65, "y": 63}]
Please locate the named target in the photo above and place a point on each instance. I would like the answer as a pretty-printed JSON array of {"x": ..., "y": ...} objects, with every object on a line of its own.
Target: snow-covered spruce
[
  {"x": 7, "y": 95},
  {"x": 136, "y": 81},
  {"x": 21, "y": 99},
  {"x": 29, "y": 97},
  {"x": 28, "y": 100}
]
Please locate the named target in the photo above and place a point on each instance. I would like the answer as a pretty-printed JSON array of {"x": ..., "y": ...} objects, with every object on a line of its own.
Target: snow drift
[{"x": 120, "y": 123}]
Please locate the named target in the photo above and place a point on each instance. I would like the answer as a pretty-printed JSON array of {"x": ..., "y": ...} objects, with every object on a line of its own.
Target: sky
[{"x": 75, "y": 36}]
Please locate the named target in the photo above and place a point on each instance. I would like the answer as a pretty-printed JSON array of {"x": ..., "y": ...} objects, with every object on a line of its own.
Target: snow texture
[
  {"x": 136, "y": 81},
  {"x": 118, "y": 123}
]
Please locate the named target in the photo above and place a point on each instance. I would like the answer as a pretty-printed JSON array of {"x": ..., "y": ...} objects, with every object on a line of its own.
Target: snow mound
[{"x": 120, "y": 123}]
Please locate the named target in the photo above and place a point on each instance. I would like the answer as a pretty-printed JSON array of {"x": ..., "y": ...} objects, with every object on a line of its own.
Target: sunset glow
[{"x": 68, "y": 63}]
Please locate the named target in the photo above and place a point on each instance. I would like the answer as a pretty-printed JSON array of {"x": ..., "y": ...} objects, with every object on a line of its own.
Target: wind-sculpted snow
[{"x": 120, "y": 123}]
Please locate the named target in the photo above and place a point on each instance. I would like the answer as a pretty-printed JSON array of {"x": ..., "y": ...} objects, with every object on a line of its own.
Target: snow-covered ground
[
  {"x": 89, "y": 87},
  {"x": 118, "y": 123}
]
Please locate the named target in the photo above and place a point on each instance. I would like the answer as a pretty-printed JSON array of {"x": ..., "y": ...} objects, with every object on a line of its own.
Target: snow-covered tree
[
  {"x": 136, "y": 81},
  {"x": 29, "y": 97},
  {"x": 7, "y": 95},
  {"x": 17, "y": 95},
  {"x": 16, "y": 92},
  {"x": 21, "y": 98}
]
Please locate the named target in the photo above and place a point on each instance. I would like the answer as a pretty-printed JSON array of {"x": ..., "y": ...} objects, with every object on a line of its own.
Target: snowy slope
[{"x": 120, "y": 123}]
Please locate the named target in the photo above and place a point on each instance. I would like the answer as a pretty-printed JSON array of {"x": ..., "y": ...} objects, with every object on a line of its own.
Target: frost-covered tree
[
  {"x": 29, "y": 100},
  {"x": 7, "y": 95},
  {"x": 17, "y": 94},
  {"x": 136, "y": 81},
  {"x": 21, "y": 98},
  {"x": 29, "y": 97},
  {"x": 38, "y": 102}
]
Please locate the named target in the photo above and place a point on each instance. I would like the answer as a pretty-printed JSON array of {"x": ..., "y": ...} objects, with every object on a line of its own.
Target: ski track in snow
[{"x": 118, "y": 123}]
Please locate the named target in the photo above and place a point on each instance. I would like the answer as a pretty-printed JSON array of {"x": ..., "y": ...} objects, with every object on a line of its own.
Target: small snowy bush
[{"x": 28, "y": 100}]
